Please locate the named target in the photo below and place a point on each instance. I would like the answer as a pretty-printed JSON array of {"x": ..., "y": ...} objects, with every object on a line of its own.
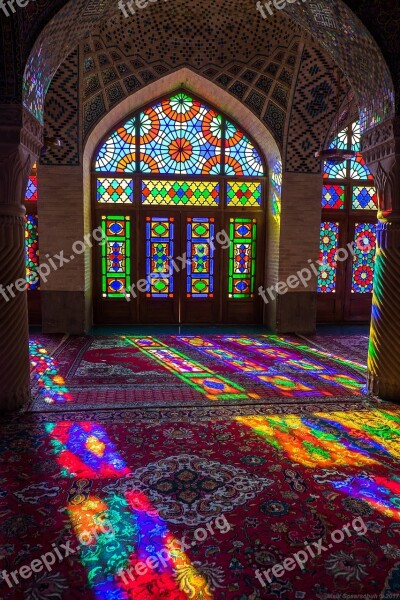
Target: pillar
[
  {"x": 381, "y": 149},
  {"x": 66, "y": 295},
  {"x": 20, "y": 142},
  {"x": 295, "y": 310}
]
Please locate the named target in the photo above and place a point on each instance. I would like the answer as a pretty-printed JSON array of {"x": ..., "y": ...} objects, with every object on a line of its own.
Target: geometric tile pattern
[
  {"x": 113, "y": 76},
  {"x": 250, "y": 85},
  {"x": 265, "y": 52},
  {"x": 312, "y": 111},
  {"x": 93, "y": 110},
  {"x": 227, "y": 25},
  {"x": 275, "y": 120},
  {"x": 62, "y": 114},
  {"x": 338, "y": 30},
  {"x": 122, "y": 48}
]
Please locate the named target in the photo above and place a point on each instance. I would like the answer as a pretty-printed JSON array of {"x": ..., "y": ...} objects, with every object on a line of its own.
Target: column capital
[
  {"x": 21, "y": 139},
  {"x": 381, "y": 151}
]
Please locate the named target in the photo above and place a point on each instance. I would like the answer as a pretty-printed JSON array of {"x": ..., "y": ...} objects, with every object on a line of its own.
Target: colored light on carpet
[
  {"x": 200, "y": 377},
  {"x": 304, "y": 444},
  {"x": 137, "y": 531},
  {"x": 256, "y": 370},
  {"x": 84, "y": 450},
  {"x": 244, "y": 341},
  {"x": 382, "y": 427},
  {"x": 286, "y": 385},
  {"x": 175, "y": 362},
  {"x": 382, "y": 495},
  {"x": 95, "y": 446},
  {"x": 319, "y": 353},
  {"x": 302, "y": 503},
  {"x": 305, "y": 365},
  {"x": 89, "y": 516},
  {"x": 274, "y": 358},
  {"x": 100, "y": 371},
  {"x": 344, "y": 440},
  {"x": 337, "y": 379},
  {"x": 46, "y": 375},
  {"x": 344, "y": 381},
  {"x": 230, "y": 358}
]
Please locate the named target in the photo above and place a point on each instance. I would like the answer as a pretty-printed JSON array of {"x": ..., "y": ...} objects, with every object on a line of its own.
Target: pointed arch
[
  {"x": 195, "y": 84},
  {"x": 180, "y": 135}
]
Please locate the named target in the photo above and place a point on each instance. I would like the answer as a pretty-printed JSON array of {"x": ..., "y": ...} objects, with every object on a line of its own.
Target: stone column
[
  {"x": 381, "y": 149},
  {"x": 20, "y": 143}
]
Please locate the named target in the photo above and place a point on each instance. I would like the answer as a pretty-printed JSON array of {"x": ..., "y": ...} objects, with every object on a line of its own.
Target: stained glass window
[
  {"x": 359, "y": 170},
  {"x": 116, "y": 256},
  {"x": 179, "y": 152},
  {"x": 364, "y": 198},
  {"x": 341, "y": 140},
  {"x": 179, "y": 136},
  {"x": 200, "y": 256},
  {"x": 276, "y": 189},
  {"x": 31, "y": 232},
  {"x": 335, "y": 171},
  {"x": 242, "y": 257},
  {"x": 180, "y": 193},
  {"x": 31, "y": 191},
  {"x": 349, "y": 138},
  {"x": 244, "y": 193},
  {"x": 112, "y": 191},
  {"x": 159, "y": 253},
  {"x": 333, "y": 196},
  {"x": 364, "y": 258},
  {"x": 118, "y": 153},
  {"x": 355, "y": 192},
  {"x": 329, "y": 245},
  {"x": 32, "y": 251},
  {"x": 242, "y": 158},
  {"x": 356, "y": 137}
]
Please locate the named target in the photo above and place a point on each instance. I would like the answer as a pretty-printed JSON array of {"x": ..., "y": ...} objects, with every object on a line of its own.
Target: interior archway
[
  {"x": 190, "y": 189},
  {"x": 224, "y": 102}
]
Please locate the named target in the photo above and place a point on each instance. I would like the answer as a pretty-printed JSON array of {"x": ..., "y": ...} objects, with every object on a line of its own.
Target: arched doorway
[{"x": 180, "y": 192}]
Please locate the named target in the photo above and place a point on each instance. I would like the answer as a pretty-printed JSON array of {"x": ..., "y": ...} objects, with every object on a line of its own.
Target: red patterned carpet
[
  {"x": 121, "y": 371},
  {"x": 239, "y": 498},
  {"x": 243, "y": 492},
  {"x": 352, "y": 347}
]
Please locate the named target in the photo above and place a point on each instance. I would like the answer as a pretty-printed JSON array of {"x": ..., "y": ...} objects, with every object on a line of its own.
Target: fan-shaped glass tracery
[{"x": 180, "y": 136}]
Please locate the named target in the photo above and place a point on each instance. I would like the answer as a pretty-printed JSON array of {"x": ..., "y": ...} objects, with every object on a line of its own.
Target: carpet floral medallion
[
  {"x": 191, "y": 490},
  {"x": 202, "y": 503}
]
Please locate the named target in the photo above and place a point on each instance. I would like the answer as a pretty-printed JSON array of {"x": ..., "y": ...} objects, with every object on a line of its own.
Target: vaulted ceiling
[{"x": 200, "y": 33}]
